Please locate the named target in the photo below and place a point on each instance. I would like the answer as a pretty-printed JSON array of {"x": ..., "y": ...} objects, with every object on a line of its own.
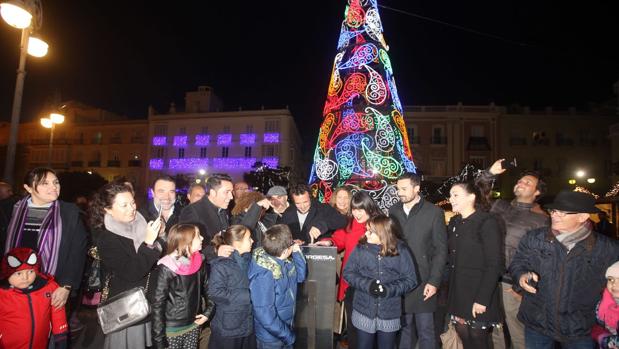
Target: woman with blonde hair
[{"x": 340, "y": 200}]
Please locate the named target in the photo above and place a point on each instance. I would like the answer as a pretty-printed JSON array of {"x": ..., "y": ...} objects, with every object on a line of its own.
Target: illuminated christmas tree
[{"x": 362, "y": 141}]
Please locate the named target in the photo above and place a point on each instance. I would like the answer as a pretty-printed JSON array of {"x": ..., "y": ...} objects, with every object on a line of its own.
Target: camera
[{"x": 507, "y": 164}]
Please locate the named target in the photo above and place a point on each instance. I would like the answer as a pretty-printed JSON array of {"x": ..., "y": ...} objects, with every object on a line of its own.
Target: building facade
[
  {"x": 445, "y": 138},
  {"x": 201, "y": 140}
]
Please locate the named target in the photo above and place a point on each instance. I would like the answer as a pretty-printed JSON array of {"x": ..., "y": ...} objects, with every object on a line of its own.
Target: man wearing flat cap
[
  {"x": 279, "y": 199},
  {"x": 561, "y": 269}
]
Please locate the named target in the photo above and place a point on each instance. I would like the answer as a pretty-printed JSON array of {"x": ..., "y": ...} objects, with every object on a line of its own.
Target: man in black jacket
[
  {"x": 562, "y": 269},
  {"x": 517, "y": 218},
  {"x": 309, "y": 219},
  {"x": 210, "y": 213},
  {"x": 423, "y": 226}
]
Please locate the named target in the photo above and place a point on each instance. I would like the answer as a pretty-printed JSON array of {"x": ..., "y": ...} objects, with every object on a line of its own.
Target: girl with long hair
[{"x": 381, "y": 270}]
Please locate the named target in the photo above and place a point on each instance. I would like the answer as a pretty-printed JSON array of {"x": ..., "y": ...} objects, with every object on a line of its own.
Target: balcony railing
[
  {"x": 138, "y": 139},
  {"x": 115, "y": 140},
  {"x": 77, "y": 163},
  {"x": 96, "y": 163},
  {"x": 478, "y": 143},
  {"x": 135, "y": 163},
  {"x": 113, "y": 163},
  {"x": 438, "y": 140}
]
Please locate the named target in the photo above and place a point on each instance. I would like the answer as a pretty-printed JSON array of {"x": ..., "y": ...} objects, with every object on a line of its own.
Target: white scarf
[{"x": 134, "y": 230}]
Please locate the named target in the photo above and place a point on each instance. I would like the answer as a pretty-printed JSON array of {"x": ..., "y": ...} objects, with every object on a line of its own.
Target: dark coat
[
  {"x": 126, "y": 267},
  {"x": 177, "y": 301},
  {"x": 476, "y": 265},
  {"x": 322, "y": 216},
  {"x": 205, "y": 215},
  {"x": 396, "y": 273},
  {"x": 570, "y": 284},
  {"x": 251, "y": 218},
  {"x": 228, "y": 288},
  {"x": 424, "y": 231}
]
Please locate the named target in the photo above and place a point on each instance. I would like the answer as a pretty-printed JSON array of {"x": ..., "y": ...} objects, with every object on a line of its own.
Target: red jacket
[
  {"x": 26, "y": 316},
  {"x": 347, "y": 241}
]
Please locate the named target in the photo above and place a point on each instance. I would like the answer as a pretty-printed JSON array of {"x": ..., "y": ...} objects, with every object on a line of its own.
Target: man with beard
[
  {"x": 423, "y": 227},
  {"x": 518, "y": 216},
  {"x": 163, "y": 205}
]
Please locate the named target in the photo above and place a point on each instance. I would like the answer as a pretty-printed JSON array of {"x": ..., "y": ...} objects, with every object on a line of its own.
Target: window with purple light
[
  {"x": 155, "y": 164},
  {"x": 160, "y": 140},
  {"x": 180, "y": 141},
  {"x": 271, "y": 162},
  {"x": 188, "y": 163},
  {"x": 233, "y": 163},
  {"x": 248, "y": 138},
  {"x": 203, "y": 139},
  {"x": 224, "y": 139},
  {"x": 271, "y": 138}
]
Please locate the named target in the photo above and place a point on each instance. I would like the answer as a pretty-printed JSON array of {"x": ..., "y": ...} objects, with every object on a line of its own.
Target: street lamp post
[
  {"x": 51, "y": 123},
  {"x": 19, "y": 14}
]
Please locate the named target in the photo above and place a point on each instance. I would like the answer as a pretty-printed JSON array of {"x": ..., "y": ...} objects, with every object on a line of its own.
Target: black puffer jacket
[
  {"x": 570, "y": 284},
  {"x": 396, "y": 273},
  {"x": 177, "y": 301}
]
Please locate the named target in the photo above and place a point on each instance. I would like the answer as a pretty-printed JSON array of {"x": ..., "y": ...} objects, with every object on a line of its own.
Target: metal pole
[
  {"x": 19, "y": 90},
  {"x": 51, "y": 145}
]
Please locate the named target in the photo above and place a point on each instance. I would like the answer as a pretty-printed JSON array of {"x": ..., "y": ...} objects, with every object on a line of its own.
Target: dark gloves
[{"x": 377, "y": 289}]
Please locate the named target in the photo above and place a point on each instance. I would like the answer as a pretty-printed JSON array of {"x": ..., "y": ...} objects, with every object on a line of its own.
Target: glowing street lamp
[
  {"x": 591, "y": 180},
  {"x": 26, "y": 15},
  {"x": 580, "y": 173},
  {"x": 53, "y": 120}
]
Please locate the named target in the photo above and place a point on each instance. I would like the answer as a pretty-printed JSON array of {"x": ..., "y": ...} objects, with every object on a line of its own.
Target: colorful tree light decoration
[
  {"x": 248, "y": 138},
  {"x": 271, "y": 138},
  {"x": 224, "y": 139},
  {"x": 203, "y": 140},
  {"x": 180, "y": 141},
  {"x": 362, "y": 141},
  {"x": 160, "y": 140}
]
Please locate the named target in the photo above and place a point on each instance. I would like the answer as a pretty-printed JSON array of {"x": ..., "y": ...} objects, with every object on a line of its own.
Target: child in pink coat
[{"x": 607, "y": 312}]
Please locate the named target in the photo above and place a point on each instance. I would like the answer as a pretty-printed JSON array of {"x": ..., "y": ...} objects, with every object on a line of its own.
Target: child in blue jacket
[
  {"x": 273, "y": 280},
  {"x": 232, "y": 326},
  {"x": 381, "y": 271}
]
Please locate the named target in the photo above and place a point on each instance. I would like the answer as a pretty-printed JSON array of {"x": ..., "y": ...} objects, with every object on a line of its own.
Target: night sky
[{"x": 124, "y": 55}]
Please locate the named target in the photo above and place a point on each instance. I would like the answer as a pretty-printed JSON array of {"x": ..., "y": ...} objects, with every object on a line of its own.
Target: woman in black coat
[
  {"x": 128, "y": 250},
  {"x": 475, "y": 267}
]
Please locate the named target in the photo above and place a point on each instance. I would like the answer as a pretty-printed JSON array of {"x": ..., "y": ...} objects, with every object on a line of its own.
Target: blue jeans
[
  {"x": 536, "y": 340},
  {"x": 265, "y": 345},
  {"x": 417, "y": 329},
  {"x": 384, "y": 340}
]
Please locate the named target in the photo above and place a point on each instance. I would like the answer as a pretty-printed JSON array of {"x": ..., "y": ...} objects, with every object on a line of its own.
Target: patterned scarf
[
  {"x": 569, "y": 240},
  {"x": 49, "y": 238}
]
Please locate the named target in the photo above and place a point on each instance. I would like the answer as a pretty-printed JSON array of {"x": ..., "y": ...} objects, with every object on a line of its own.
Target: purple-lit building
[{"x": 205, "y": 138}]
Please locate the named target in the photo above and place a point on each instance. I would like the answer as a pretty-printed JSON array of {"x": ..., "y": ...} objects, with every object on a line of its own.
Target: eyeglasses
[
  {"x": 612, "y": 280},
  {"x": 560, "y": 213}
]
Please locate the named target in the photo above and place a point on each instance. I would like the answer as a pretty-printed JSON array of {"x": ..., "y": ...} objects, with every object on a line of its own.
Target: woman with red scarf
[
  {"x": 607, "y": 312},
  {"x": 362, "y": 208}
]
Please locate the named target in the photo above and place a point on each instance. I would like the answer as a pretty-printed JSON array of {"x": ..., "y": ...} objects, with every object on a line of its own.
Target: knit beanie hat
[
  {"x": 20, "y": 258},
  {"x": 613, "y": 270}
]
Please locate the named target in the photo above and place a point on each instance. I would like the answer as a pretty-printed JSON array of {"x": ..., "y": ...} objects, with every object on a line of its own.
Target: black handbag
[{"x": 93, "y": 281}]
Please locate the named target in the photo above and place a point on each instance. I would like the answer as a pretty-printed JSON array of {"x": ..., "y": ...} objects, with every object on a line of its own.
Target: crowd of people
[{"x": 224, "y": 270}]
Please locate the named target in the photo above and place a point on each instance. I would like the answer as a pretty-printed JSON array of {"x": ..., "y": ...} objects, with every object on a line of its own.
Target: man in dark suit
[
  {"x": 423, "y": 226},
  {"x": 309, "y": 219},
  {"x": 163, "y": 205},
  {"x": 210, "y": 213}
]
